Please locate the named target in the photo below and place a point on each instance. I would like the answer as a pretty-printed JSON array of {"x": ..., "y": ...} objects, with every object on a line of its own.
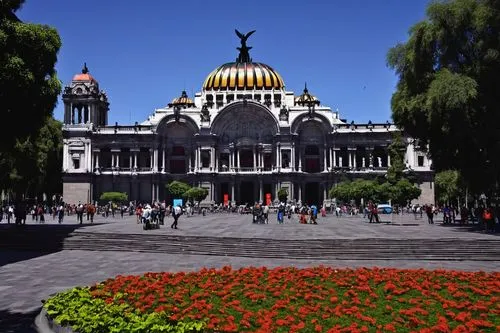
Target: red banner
[
  {"x": 226, "y": 199},
  {"x": 268, "y": 199}
]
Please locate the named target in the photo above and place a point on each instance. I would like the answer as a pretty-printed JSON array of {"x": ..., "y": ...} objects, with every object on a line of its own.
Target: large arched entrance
[{"x": 245, "y": 134}]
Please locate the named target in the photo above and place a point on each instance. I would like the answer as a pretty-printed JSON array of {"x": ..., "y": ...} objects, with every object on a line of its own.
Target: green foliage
[
  {"x": 403, "y": 192},
  {"x": 396, "y": 151},
  {"x": 196, "y": 194},
  {"x": 178, "y": 189},
  {"x": 115, "y": 197},
  {"x": 400, "y": 192},
  {"x": 447, "y": 185},
  {"x": 282, "y": 194},
  {"x": 77, "y": 309},
  {"x": 28, "y": 82},
  {"x": 34, "y": 164},
  {"x": 448, "y": 87}
]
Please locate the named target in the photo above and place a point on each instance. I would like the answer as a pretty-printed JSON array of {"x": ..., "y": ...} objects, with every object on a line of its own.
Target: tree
[
  {"x": 448, "y": 85},
  {"x": 447, "y": 185},
  {"x": 115, "y": 197},
  {"x": 396, "y": 151},
  {"x": 28, "y": 83},
  {"x": 403, "y": 192},
  {"x": 282, "y": 194},
  {"x": 197, "y": 194},
  {"x": 33, "y": 166},
  {"x": 178, "y": 189}
]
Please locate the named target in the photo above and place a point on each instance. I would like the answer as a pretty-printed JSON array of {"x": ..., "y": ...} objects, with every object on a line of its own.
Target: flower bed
[{"x": 317, "y": 299}]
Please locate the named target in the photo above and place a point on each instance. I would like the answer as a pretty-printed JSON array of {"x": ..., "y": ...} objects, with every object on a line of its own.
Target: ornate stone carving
[
  {"x": 205, "y": 114},
  {"x": 284, "y": 114}
]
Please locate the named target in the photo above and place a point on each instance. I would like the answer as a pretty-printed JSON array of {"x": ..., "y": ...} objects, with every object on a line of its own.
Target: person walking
[{"x": 176, "y": 214}]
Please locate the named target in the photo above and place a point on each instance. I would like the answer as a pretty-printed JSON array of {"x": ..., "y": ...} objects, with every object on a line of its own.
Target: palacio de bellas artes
[{"x": 243, "y": 137}]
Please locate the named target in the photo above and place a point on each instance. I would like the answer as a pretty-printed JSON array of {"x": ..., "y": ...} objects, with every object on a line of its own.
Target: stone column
[
  {"x": 300, "y": 158},
  {"x": 135, "y": 159},
  {"x": 216, "y": 158},
  {"x": 97, "y": 159},
  {"x": 153, "y": 193},
  {"x": 278, "y": 156},
  {"x": 324, "y": 158},
  {"x": 190, "y": 163},
  {"x": 232, "y": 192},
  {"x": 335, "y": 157},
  {"x": 300, "y": 192},
  {"x": 163, "y": 159},
  {"x": 349, "y": 154},
  {"x": 354, "y": 162},
  {"x": 238, "y": 158},
  {"x": 196, "y": 160},
  {"x": 254, "y": 159},
  {"x": 261, "y": 189},
  {"x": 388, "y": 160},
  {"x": 293, "y": 156},
  {"x": 324, "y": 192},
  {"x": 212, "y": 158},
  {"x": 84, "y": 165},
  {"x": 65, "y": 156},
  {"x": 118, "y": 159},
  {"x": 151, "y": 158},
  {"x": 130, "y": 161}
]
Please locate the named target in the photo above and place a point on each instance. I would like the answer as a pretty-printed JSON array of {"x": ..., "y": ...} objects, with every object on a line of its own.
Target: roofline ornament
[{"x": 244, "y": 56}]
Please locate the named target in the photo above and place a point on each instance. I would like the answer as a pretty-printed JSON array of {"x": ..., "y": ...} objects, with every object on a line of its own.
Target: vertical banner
[
  {"x": 226, "y": 199},
  {"x": 268, "y": 199}
]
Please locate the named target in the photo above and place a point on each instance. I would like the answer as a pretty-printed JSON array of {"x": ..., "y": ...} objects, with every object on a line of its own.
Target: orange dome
[{"x": 84, "y": 75}]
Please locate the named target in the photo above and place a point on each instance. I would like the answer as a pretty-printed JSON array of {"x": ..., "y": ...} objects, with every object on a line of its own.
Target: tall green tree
[
  {"x": 33, "y": 165},
  {"x": 447, "y": 185},
  {"x": 396, "y": 151},
  {"x": 449, "y": 83},
  {"x": 28, "y": 83}
]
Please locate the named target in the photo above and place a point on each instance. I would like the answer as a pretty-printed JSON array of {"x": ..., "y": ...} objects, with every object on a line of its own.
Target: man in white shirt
[{"x": 176, "y": 213}]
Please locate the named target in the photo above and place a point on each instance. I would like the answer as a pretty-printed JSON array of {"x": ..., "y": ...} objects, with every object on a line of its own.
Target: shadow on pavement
[
  {"x": 18, "y": 322},
  {"x": 474, "y": 228},
  {"x": 23, "y": 242}
]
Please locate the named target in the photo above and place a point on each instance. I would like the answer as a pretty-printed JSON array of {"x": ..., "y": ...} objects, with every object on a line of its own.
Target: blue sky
[{"x": 145, "y": 55}]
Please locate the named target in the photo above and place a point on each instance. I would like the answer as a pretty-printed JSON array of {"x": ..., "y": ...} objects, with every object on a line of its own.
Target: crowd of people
[{"x": 154, "y": 214}]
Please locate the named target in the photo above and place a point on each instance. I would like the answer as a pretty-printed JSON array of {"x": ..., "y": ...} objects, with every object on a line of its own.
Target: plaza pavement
[{"x": 28, "y": 277}]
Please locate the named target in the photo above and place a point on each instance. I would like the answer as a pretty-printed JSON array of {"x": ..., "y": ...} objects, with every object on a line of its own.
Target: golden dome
[
  {"x": 306, "y": 98},
  {"x": 183, "y": 101},
  {"x": 243, "y": 76}
]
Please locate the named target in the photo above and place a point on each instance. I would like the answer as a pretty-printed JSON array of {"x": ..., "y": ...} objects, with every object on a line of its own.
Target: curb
[{"x": 43, "y": 324}]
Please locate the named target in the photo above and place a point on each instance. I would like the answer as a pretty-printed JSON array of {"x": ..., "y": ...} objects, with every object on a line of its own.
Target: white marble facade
[{"x": 242, "y": 136}]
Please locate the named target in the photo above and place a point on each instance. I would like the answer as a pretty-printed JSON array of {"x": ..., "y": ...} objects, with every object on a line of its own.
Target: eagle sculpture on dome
[{"x": 244, "y": 56}]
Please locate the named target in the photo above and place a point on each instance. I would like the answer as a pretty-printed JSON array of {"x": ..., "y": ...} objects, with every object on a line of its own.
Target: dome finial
[
  {"x": 305, "y": 88},
  {"x": 244, "y": 56},
  {"x": 85, "y": 70}
]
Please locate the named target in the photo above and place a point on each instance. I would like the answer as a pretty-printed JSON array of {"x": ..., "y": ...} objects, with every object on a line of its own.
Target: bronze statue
[{"x": 244, "y": 56}]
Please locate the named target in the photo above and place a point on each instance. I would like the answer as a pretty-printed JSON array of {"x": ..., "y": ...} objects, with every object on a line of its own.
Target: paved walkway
[{"x": 31, "y": 277}]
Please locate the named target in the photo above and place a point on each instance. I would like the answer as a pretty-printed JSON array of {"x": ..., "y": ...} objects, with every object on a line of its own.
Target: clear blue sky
[{"x": 145, "y": 55}]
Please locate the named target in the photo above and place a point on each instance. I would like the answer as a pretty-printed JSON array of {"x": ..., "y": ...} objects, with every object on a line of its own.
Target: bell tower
[{"x": 84, "y": 102}]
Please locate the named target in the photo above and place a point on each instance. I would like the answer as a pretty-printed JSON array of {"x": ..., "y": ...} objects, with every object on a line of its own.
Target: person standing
[{"x": 176, "y": 214}]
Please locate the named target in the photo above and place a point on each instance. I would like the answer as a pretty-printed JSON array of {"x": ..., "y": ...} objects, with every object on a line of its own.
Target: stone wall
[{"x": 76, "y": 192}]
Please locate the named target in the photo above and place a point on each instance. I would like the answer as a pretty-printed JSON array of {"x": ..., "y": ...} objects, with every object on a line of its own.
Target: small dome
[
  {"x": 243, "y": 76},
  {"x": 306, "y": 98},
  {"x": 183, "y": 101},
  {"x": 84, "y": 75}
]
